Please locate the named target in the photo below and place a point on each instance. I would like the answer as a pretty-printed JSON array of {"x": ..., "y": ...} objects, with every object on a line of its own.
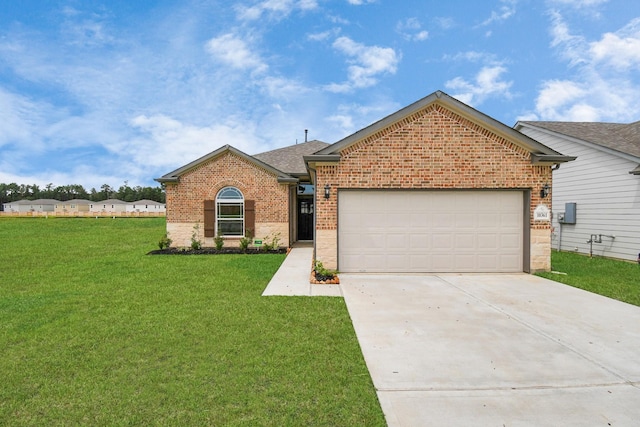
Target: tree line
[{"x": 13, "y": 192}]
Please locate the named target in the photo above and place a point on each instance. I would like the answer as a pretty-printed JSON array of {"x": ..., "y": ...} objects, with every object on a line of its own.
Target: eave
[
  {"x": 550, "y": 159},
  {"x": 174, "y": 177}
]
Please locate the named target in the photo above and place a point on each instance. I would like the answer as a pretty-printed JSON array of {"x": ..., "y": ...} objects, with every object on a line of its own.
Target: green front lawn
[
  {"x": 608, "y": 277},
  {"x": 95, "y": 332}
]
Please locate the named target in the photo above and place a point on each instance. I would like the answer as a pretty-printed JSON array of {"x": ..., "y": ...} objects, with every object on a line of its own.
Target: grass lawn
[
  {"x": 611, "y": 278},
  {"x": 95, "y": 332}
]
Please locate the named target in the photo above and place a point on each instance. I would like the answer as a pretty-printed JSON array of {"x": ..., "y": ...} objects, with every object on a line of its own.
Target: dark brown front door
[{"x": 305, "y": 218}]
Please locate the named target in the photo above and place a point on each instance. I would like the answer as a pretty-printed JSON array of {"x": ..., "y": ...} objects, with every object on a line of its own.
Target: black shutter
[
  {"x": 250, "y": 217},
  {"x": 209, "y": 218}
]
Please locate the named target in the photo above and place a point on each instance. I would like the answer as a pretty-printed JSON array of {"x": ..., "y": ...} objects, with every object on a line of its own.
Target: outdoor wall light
[
  {"x": 544, "y": 192},
  {"x": 327, "y": 191}
]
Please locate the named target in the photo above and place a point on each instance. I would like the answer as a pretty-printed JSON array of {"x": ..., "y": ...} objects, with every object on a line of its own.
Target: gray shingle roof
[
  {"x": 621, "y": 137},
  {"x": 289, "y": 159}
]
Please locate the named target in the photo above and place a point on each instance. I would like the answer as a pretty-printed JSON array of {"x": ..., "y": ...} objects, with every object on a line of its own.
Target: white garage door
[{"x": 430, "y": 231}]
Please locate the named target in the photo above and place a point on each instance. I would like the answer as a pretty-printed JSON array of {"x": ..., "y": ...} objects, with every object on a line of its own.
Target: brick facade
[
  {"x": 433, "y": 148},
  {"x": 185, "y": 198}
]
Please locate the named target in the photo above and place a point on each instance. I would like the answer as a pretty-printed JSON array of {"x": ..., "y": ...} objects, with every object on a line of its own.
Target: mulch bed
[
  {"x": 214, "y": 251},
  {"x": 317, "y": 279}
]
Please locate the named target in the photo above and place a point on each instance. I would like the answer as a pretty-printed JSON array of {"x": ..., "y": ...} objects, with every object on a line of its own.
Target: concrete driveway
[{"x": 494, "y": 350}]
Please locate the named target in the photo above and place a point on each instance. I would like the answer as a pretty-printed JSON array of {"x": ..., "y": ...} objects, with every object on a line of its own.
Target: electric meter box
[{"x": 569, "y": 213}]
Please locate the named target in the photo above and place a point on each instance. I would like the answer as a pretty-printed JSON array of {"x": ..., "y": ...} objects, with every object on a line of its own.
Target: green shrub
[
  {"x": 271, "y": 242},
  {"x": 195, "y": 238},
  {"x": 246, "y": 240},
  {"x": 165, "y": 242},
  {"x": 218, "y": 241},
  {"x": 323, "y": 273}
]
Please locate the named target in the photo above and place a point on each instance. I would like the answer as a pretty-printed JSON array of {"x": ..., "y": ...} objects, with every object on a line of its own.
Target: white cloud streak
[
  {"x": 411, "y": 29},
  {"x": 366, "y": 64},
  {"x": 506, "y": 11},
  {"x": 277, "y": 9},
  {"x": 235, "y": 52},
  {"x": 487, "y": 83},
  {"x": 602, "y": 87}
]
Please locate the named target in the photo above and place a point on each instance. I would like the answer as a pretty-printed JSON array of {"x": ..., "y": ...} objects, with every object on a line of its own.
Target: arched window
[{"x": 230, "y": 212}]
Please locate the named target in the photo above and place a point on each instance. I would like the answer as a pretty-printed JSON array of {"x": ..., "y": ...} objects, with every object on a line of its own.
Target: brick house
[
  {"x": 231, "y": 193},
  {"x": 435, "y": 187}
]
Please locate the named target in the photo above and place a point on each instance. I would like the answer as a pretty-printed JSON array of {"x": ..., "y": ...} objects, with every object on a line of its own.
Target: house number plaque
[{"x": 542, "y": 213}]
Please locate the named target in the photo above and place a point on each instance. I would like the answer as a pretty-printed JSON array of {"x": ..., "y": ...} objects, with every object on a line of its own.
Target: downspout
[
  {"x": 314, "y": 180},
  {"x": 559, "y": 236}
]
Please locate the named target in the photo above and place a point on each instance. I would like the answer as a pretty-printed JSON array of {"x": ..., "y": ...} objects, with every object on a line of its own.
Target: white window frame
[{"x": 230, "y": 196}]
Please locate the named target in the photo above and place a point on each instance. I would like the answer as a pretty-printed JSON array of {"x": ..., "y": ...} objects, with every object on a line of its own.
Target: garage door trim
[{"x": 525, "y": 228}]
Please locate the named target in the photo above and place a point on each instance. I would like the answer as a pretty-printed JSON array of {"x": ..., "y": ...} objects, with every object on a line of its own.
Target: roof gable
[
  {"x": 540, "y": 153},
  {"x": 176, "y": 174},
  {"x": 620, "y": 137}
]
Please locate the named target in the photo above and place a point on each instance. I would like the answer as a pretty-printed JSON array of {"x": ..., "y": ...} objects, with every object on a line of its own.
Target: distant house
[
  {"x": 108, "y": 206},
  {"x": 603, "y": 185},
  {"x": 146, "y": 206},
  {"x": 17, "y": 206},
  {"x": 38, "y": 205},
  {"x": 73, "y": 206}
]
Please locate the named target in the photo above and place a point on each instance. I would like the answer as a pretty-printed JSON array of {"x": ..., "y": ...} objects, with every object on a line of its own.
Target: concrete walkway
[
  {"x": 496, "y": 350},
  {"x": 292, "y": 278}
]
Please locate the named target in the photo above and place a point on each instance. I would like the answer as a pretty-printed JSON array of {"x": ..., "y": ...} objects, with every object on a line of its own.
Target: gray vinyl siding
[{"x": 607, "y": 198}]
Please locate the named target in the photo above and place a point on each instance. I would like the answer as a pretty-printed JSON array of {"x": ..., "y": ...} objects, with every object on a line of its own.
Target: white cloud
[
  {"x": 17, "y": 115},
  {"x": 234, "y": 51},
  {"x": 86, "y": 29},
  {"x": 619, "y": 50},
  {"x": 282, "y": 88},
  {"x": 579, "y": 3},
  {"x": 487, "y": 83},
  {"x": 472, "y": 56},
  {"x": 167, "y": 142},
  {"x": 367, "y": 62},
  {"x": 411, "y": 29},
  {"x": 594, "y": 99},
  {"x": 445, "y": 23},
  {"x": 325, "y": 35},
  {"x": 360, "y": 2},
  {"x": 506, "y": 11},
  {"x": 349, "y": 118},
  {"x": 274, "y": 8},
  {"x": 570, "y": 46},
  {"x": 601, "y": 87}
]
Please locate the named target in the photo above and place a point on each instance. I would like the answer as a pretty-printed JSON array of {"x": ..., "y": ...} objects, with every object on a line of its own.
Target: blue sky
[{"x": 98, "y": 92}]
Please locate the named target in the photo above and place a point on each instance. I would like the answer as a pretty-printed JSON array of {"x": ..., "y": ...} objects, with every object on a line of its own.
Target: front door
[{"x": 305, "y": 218}]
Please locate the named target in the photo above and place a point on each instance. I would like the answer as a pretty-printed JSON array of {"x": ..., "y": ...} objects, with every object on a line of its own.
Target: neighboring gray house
[
  {"x": 38, "y": 205},
  {"x": 146, "y": 206},
  {"x": 109, "y": 205},
  {"x": 73, "y": 206},
  {"x": 604, "y": 184}
]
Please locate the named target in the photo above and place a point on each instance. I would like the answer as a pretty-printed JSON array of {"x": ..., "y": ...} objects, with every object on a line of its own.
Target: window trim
[{"x": 234, "y": 197}]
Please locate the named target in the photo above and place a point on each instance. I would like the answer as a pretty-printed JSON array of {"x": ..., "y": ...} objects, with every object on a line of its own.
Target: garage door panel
[
  {"x": 486, "y": 219},
  {"x": 396, "y": 241},
  {"x": 441, "y": 262},
  {"x": 512, "y": 241},
  {"x": 420, "y": 240},
  {"x": 511, "y": 220},
  {"x": 442, "y": 242},
  {"x": 430, "y": 231},
  {"x": 465, "y": 220},
  {"x": 465, "y": 241},
  {"x": 488, "y": 242},
  {"x": 440, "y": 220},
  {"x": 487, "y": 262}
]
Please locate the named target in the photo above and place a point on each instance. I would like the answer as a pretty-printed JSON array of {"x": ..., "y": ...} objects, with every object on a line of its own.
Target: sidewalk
[{"x": 292, "y": 278}]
